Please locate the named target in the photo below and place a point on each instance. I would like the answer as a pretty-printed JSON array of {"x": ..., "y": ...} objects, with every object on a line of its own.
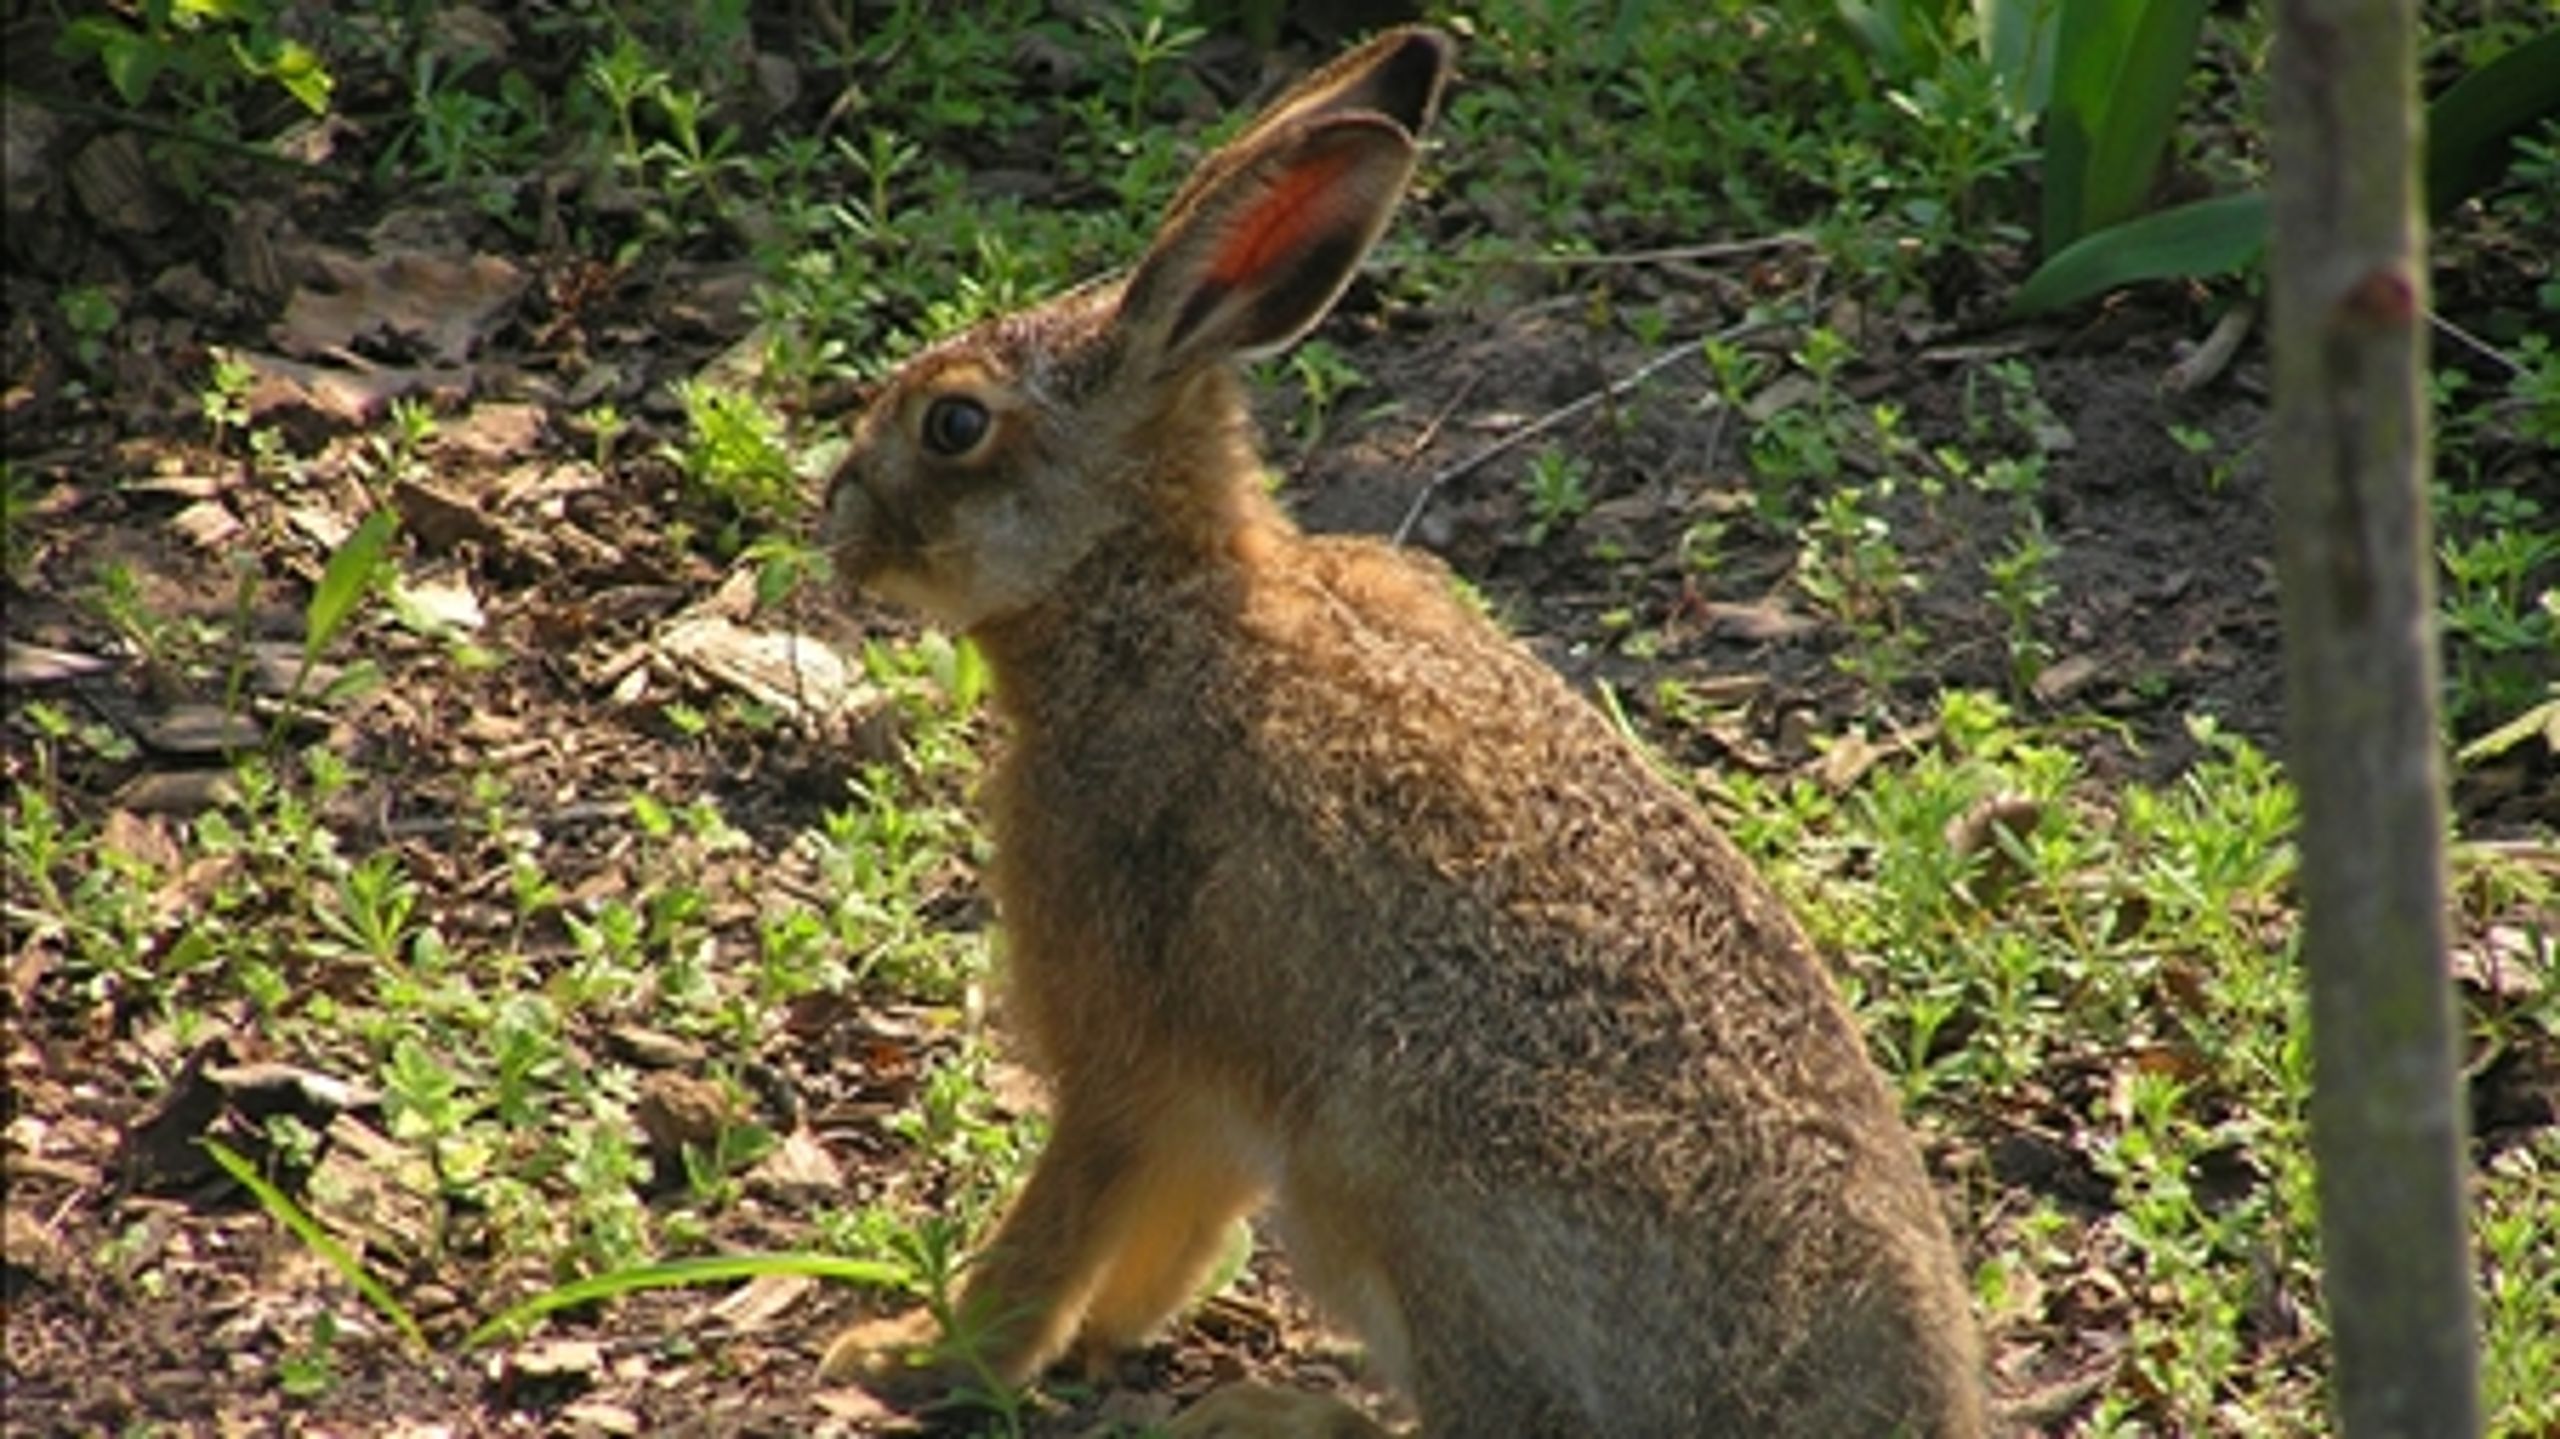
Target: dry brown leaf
[
  {"x": 677, "y": 1110},
  {"x": 441, "y": 307},
  {"x": 1759, "y": 623},
  {"x": 2066, "y": 677},
  {"x": 441, "y": 520},
  {"x": 761, "y": 1300},
  {"x": 799, "y": 1168},
  {"x": 2508, "y": 963},
  {"x": 177, "y": 792},
  {"x": 1846, "y": 757},
  {"x": 352, "y": 396},
  {"x": 375, "y": 1191},
  {"x": 790, "y": 672},
  {"x": 650, "y": 1048},
  {"x": 181, "y": 485},
  {"x": 141, "y": 838},
  {"x": 23, "y": 663},
  {"x": 198, "y": 729},
  {"x": 597, "y": 1416},
  {"x": 112, "y": 176},
  {"x": 209, "y": 525},
  {"x": 447, "y": 604},
  {"x": 553, "y": 1359},
  {"x": 494, "y": 431},
  {"x": 28, "y": 1246}
]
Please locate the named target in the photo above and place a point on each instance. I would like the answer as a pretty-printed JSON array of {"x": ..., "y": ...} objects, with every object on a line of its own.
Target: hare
[{"x": 1318, "y": 888}]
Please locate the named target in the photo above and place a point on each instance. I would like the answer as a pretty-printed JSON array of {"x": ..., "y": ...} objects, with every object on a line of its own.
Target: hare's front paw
[
  {"x": 898, "y": 1357},
  {"x": 1258, "y": 1411}
]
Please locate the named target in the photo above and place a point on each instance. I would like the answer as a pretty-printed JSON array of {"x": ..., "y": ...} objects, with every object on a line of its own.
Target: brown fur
[{"x": 1320, "y": 888}]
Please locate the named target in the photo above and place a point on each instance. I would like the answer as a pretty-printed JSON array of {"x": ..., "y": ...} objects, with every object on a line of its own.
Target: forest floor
[{"x": 542, "y": 933}]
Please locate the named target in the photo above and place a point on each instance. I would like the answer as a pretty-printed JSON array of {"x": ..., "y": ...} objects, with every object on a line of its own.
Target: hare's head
[{"x": 993, "y": 462}]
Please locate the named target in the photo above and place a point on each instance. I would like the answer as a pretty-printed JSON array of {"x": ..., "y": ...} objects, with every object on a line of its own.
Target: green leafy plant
[
  {"x": 1850, "y": 565},
  {"x": 209, "y": 46},
  {"x": 93, "y": 313},
  {"x": 1324, "y": 376},
  {"x": 1557, "y": 484},
  {"x": 735, "y": 454},
  {"x": 1149, "y": 42},
  {"x": 2473, "y": 129},
  {"x": 2021, "y": 588}
]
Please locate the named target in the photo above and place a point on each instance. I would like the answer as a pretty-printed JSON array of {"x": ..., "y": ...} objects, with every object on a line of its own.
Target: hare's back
[{"x": 1529, "y": 871}]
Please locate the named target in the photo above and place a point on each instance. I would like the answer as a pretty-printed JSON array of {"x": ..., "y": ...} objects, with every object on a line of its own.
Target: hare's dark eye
[{"x": 954, "y": 425}]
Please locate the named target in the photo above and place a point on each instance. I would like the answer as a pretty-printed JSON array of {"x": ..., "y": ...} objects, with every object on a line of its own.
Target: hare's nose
[{"x": 850, "y": 510}]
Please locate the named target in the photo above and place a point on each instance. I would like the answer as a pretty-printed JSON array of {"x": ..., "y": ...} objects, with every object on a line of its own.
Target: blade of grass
[
  {"x": 347, "y": 579},
  {"x": 709, "y": 1269},
  {"x": 289, "y": 1214}
]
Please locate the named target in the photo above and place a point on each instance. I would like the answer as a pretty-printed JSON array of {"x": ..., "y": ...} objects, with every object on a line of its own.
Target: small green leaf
[
  {"x": 355, "y": 681},
  {"x": 299, "y": 71},
  {"x": 2209, "y": 237},
  {"x": 347, "y": 580},
  {"x": 132, "y": 62}
]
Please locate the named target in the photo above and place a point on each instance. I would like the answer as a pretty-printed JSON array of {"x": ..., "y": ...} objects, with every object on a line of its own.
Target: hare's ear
[
  {"x": 1255, "y": 257},
  {"x": 1397, "y": 74},
  {"x": 1261, "y": 239}
]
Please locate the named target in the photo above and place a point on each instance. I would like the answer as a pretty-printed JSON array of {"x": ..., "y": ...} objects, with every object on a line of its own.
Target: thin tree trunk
[{"x": 2348, "y": 307}]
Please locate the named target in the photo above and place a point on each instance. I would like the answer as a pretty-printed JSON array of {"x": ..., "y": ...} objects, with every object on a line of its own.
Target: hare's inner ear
[{"x": 1261, "y": 251}]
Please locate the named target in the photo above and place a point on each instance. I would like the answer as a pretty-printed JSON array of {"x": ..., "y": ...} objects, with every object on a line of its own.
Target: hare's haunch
[{"x": 1320, "y": 890}]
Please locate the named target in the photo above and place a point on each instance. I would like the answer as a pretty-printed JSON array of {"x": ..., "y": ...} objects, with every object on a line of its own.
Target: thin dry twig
[
  {"x": 2208, "y": 360},
  {"x": 1414, "y": 447},
  {"x": 1666, "y": 255},
  {"x": 2474, "y": 343},
  {"x": 1694, "y": 346}
]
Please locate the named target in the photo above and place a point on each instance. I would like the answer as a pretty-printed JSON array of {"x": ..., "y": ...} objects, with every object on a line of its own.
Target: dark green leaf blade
[
  {"x": 2209, "y": 237},
  {"x": 2473, "y": 124},
  {"x": 2141, "y": 107}
]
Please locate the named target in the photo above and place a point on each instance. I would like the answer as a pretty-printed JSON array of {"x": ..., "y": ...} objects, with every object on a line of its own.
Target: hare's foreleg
[
  {"x": 1180, "y": 1209},
  {"x": 1122, "y": 1215}
]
